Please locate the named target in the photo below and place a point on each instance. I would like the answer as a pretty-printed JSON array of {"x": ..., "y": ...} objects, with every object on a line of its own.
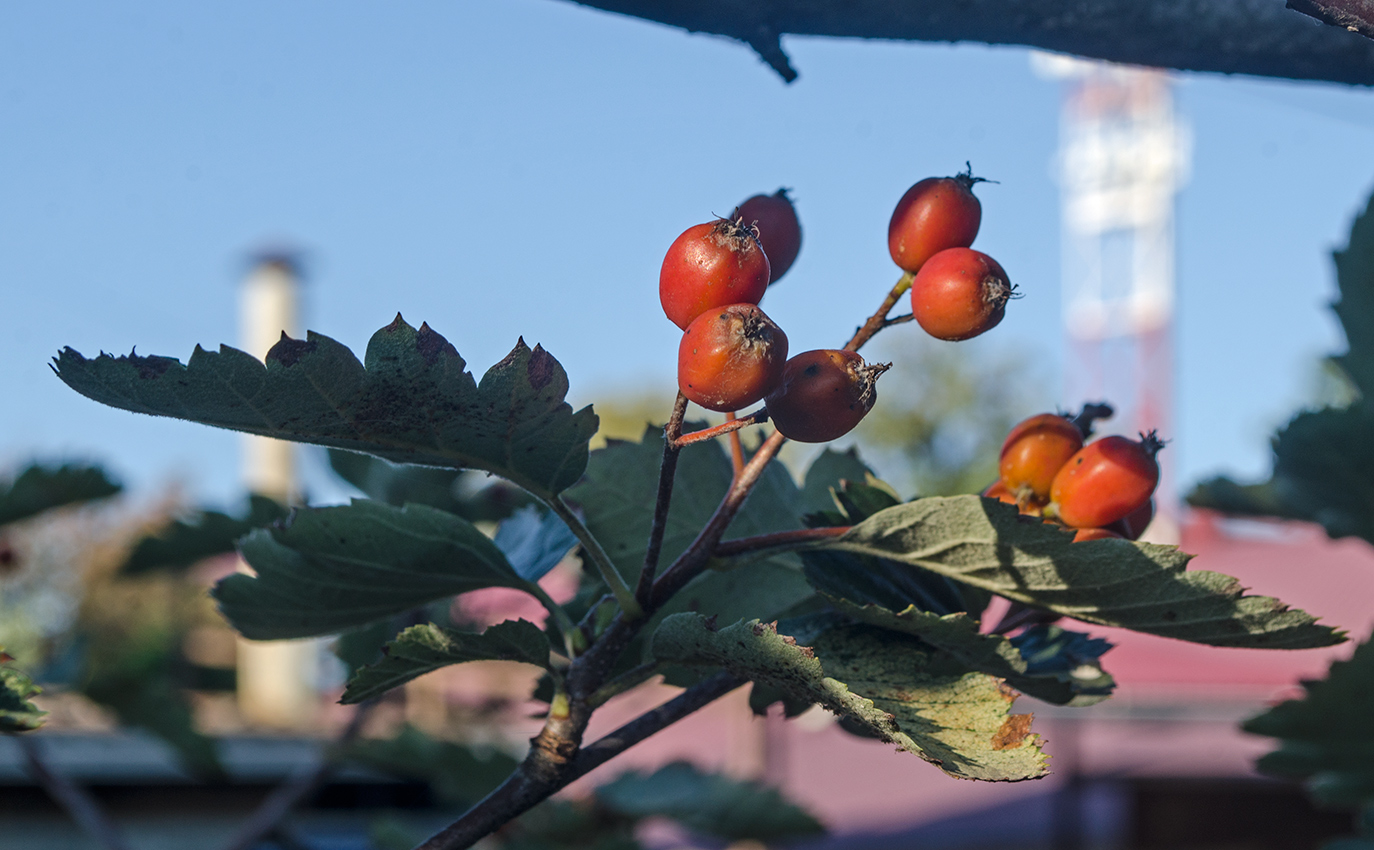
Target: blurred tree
[{"x": 944, "y": 411}]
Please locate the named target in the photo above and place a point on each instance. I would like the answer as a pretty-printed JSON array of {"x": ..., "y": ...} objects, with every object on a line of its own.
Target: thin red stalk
[
  {"x": 736, "y": 448},
  {"x": 727, "y": 427},
  {"x": 778, "y": 540},
  {"x": 876, "y": 322}
]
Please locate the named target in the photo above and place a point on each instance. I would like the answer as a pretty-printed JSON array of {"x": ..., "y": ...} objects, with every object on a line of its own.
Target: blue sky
[{"x": 518, "y": 168}]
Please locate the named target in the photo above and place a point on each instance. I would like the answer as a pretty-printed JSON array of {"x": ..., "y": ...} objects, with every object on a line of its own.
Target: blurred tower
[
  {"x": 275, "y": 679},
  {"x": 1123, "y": 157}
]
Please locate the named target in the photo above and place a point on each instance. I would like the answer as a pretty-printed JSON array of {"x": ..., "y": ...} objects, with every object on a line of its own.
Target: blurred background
[{"x": 517, "y": 170}]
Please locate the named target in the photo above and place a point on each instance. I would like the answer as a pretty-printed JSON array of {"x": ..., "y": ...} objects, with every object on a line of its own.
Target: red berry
[
  {"x": 1134, "y": 524},
  {"x": 935, "y": 214},
  {"x": 997, "y": 490},
  {"x": 1034, "y": 451},
  {"x": 1105, "y": 481},
  {"x": 711, "y": 265},
  {"x": 731, "y": 357},
  {"x": 823, "y": 395},
  {"x": 778, "y": 228},
  {"x": 959, "y": 293}
]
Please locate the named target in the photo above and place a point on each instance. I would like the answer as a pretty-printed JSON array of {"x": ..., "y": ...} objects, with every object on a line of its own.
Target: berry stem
[
  {"x": 667, "y": 472},
  {"x": 729, "y": 426},
  {"x": 736, "y": 448},
  {"x": 878, "y": 320}
]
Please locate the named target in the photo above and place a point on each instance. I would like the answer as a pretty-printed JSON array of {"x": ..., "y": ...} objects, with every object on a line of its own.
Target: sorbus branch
[
  {"x": 554, "y": 759},
  {"x": 597, "y": 555}
]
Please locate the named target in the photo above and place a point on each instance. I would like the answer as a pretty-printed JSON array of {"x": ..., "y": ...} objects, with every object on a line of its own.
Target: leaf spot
[
  {"x": 1013, "y": 732},
  {"x": 541, "y": 367}
]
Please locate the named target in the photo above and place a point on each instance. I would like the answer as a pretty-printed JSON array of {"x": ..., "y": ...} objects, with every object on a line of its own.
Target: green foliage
[
  {"x": 17, "y": 714},
  {"x": 708, "y": 804},
  {"x": 1326, "y": 738},
  {"x": 421, "y": 649},
  {"x": 1355, "y": 309},
  {"x": 1324, "y": 459},
  {"x": 40, "y": 488},
  {"x": 1139, "y": 586},
  {"x": 897, "y": 688},
  {"x": 338, "y": 568},
  {"x": 471, "y": 495},
  {"x": 1322, "y": 463},
  {"x": 411, "y": 402},
  {"x": 458, "y": 775},
  {"x": 183, "y": 544}
]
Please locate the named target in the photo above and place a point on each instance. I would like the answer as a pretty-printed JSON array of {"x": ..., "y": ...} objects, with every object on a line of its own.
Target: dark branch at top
[{"x": 1256, "y": 37}]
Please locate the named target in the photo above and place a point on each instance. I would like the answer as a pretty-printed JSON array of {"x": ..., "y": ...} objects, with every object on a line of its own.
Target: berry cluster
[
  {"x": 732, "y": 355},
  {"x": 1102, "y": 488}
]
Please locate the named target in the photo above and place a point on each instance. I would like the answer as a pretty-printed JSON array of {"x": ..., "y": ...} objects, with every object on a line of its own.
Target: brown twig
[
  {"x": 781, "y": 540},
  {"x": 285, "y": 797},
  {"x": 730, "y": 425},
  {"x": 667, "y": 473},
  {"x": 514, "y": 797},
  {"x": 75, "y": 800},
  {"x": 876, "y": 322},
  {"x": 898, "y": 320}
]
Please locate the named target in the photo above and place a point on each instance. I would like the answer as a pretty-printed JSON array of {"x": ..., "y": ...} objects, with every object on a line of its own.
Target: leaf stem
[
  {"x": 729, "y": 426},
  {"x": 598, "y": 557},
  {"x": 778, "y": 541},
  {"x": 562, "y": 621},
  {"x": 878, "y": 320},
  {"x": 667, "y": 473}
]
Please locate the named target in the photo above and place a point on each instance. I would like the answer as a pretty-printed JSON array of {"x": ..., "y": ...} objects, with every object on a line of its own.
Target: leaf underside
[
  {"x": 422, "y": 649},
  {"x": 337, "y": 568},
  {"x": 925, "y": 701},
  {"x": 1138, "y": 586},
  {"x": 411, "y": 401},
  {"x": 995, "y": 655}
]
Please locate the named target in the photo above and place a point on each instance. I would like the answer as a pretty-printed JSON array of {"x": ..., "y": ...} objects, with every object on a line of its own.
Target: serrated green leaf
[
  {"x": 458, "y": 775},
  {"x": 40, "y": 488},
  {"x": 331, "y": 569},
  {"x": 995, "y": 655},
  {"x": 617, "y": 498},
  {"x": 708, "y": 804},
  {"x": 926, "y": 702},
  {"x": 413, "y": 402},
  {"x": 1355, "y": 309},
  {"x": 473, "y": 496},
  {"x": 183, "y": 543},
  {"x": 422, "y": 649},
  {"x": 1325, "y": 738},
  {"x": 1139, "y": 586},
  {"x": 17, "y": 714}
]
